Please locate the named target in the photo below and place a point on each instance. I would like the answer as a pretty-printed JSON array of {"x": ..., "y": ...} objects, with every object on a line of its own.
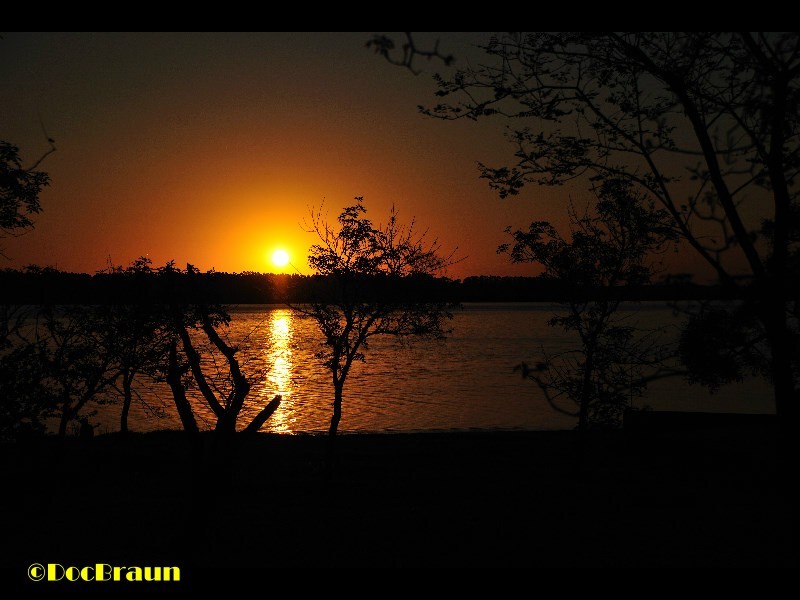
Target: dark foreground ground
[{"x": 707, "y": 497}]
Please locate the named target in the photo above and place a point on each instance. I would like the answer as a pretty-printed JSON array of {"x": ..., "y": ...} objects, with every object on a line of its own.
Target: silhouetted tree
[
  {"x": 224, "y": 394},
  {"x": 705, "y": 123},
  {"x": 367, "y": 277},
  {"x": 133, "y": 335},
  {"x": 12, "y": 320},
  {"x": 722, "y": 344},
  {"x": 23, "y": 397},
  {"x": 20, "y": 187},
  {"x": 26, "y": 400},
  {"x": 409, "y": 51},
  {"x": 74, "y": 371},
  {"x": 19, "y": 190},
  {"x": 607, "y": 251}
]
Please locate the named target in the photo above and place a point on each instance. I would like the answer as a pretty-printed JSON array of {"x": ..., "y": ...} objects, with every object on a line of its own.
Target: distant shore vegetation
[{"x": 47, "y": 285}]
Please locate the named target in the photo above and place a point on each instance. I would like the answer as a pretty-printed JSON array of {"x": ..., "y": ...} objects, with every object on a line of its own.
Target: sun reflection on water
[{"x": 278, "y": 355}]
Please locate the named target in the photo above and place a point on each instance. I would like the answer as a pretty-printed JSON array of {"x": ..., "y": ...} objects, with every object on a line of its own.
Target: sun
[{"x": 280, "y": 258}]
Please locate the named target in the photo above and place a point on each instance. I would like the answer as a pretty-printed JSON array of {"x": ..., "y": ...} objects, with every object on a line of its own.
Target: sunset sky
[{"x": 211, "y": 148}]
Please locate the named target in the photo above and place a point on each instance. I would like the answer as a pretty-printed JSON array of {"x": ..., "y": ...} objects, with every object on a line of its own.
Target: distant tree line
[{"x": 46, "y": 285}]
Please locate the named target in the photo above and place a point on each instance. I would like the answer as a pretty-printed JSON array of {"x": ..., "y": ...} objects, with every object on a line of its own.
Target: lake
[{"x": 465, "y": 382}]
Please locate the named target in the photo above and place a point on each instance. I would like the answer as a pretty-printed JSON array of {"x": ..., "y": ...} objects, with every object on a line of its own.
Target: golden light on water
[{"x": 279, "y": 376}]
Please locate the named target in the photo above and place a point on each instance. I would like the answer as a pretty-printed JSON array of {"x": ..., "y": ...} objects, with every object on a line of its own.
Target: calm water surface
[{"x": 464, "y": 382}]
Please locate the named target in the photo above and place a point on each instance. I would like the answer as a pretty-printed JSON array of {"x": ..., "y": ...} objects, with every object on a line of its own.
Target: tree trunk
[
  {"x": 583, "y": 409},
  {"x": 337, "y": 416},
  {"x": 226, "y": 423},
  {"x": 785, "y": 392},
  {"x": 127, "y": 396},
  {"x": 66, "y": 417},
  {"x": 179, "y": 395},
  {"x": 586, "y": 394},
  {"x": 337, "y": 410},
  {"x": 262, "y": 417},
  {"x": 781, "y": 345}
]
